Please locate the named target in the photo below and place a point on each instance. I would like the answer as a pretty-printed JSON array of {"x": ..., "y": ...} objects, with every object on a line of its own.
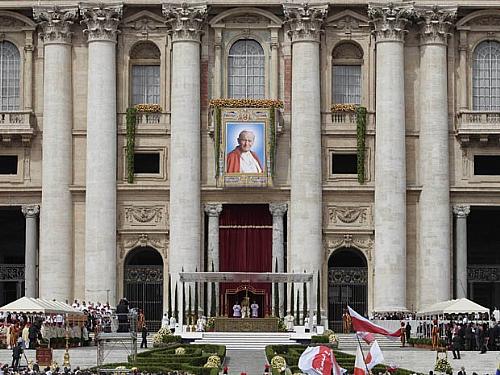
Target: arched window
[
  {"x": 145, "y": 61},
  {"x": 346, "y": 74},
  {"x": 486, "y": 77},
  {"x": 246, "y": 70},
  {"x": 9, "y": 76}
]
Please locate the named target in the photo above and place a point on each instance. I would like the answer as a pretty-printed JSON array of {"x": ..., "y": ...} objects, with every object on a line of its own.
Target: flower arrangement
[
  {"x": 246, "y": 103},
  {"x": 443, "y": 366},
  {"x": 333, "y": 339},
  {"x": 344, "y": 107},
  {"x": 180, "y": 351},
  {"x": 148, "y": 108},
  {"x": 210, "y": 324},
  {"x": 159, "y": 336},
  {"x": 278, "y": 363},
  {"x": 212, "y": 362}
]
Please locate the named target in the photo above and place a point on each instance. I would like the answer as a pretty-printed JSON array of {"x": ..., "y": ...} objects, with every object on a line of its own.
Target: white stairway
[
  {"x": 246, "y": 340},
  {"x": 349, "y": 342}
]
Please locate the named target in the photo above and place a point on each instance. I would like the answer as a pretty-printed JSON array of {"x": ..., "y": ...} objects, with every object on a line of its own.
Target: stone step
[
  {"x": 245, "y": 340},
  {"x": 349, "y": 342}
]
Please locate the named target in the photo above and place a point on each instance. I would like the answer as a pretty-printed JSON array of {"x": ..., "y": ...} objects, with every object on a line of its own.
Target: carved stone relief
[
  {"x": 130, "y": 241},
  {"x": 152, "y": 216},
  {"x": 362, "y": 242},
  {"x": 349, "y": 216}
]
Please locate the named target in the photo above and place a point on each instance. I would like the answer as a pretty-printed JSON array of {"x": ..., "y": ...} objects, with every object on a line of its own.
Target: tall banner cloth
[
  {"x": 319, "y": 360},
  {"x": 361, "y": 324}
]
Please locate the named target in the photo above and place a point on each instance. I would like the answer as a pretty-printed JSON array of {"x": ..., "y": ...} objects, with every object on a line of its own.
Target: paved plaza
[{"x": 252, "y": 361}]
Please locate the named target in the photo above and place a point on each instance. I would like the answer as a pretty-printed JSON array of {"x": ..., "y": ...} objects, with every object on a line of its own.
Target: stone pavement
[{"x": 250, "y": 361}]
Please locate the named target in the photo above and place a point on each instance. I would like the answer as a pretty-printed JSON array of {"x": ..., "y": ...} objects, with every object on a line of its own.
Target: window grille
[
  {"x": 347, "y": 84},
  {"x": 145, "y": 84},
  {"x": 486, "y": 77},
  {"x": 9, "y": 76},
  {"x": 246, "y": 70}
]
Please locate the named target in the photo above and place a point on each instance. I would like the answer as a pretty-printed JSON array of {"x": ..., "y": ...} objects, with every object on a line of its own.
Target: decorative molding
[
  {"x": 461, "y": 210},
  {"x": 389, "y": 21},
  {"x": 30, "y": 210},
  {"x": 278, "y": 208},
  {"x": 349, "y": 216},
  {"x": 152, "y": 216},
  {"x": 231, "y": 14},
  {"x": 483, "y": 273},
  {"x": 305, "y": 21},
  {"x": 435, "y": 23},
  {"x": 15, "y": 22},
  {"x": 10, "y": 22},
  {"x": 143, "y": 274},
  {"x": 56, "y": 23},
  {"x": 101, "y": 21},
  {"x": 347, "y": 276},
  {"x": 185, "y": 22},
  {"x": 363, "y": 243},
  {"x": 12, "y": 272},
  {"x": 144, "y": 22},
  {"x": 133, "y": 240},
  {"x": 213, "y": 209},
  {"x": 348, "y": 21}
]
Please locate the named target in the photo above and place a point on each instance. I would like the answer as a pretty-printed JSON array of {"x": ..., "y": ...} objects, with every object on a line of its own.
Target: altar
[{"x": 223, "y": 324}]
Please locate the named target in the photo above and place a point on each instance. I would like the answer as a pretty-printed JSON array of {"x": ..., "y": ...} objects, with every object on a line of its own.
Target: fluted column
[
  {"x": 56, "y": 220},
  {"x": 213, "y": 211},
  {"x": 390, "y": 159},
  {"x": 306, "y": 191},
  {"x": 185, "y": 24},
  {"x": 434, "y": 203},
  {"x": 101, "y": 26},
  {"x": 278, "y": 211},
  {"x": 31, "y": 250},
  {"x": 461, "y": 212}
]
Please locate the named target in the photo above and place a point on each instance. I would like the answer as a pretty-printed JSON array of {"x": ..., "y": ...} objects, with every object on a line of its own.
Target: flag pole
[{"x": 363, "y": 354}]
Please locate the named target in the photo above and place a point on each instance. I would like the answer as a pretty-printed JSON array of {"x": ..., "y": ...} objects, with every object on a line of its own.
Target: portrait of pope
[{"x": 243, "y": 158}]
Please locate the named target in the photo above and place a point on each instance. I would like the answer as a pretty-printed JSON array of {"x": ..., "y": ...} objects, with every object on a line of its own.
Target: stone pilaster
[
  {"x": 278, "y": 210},
  {"x": 56, "y": 219},
  {"x": 434, "y": 258},
  {"x": 213, "y": 211},
  {"x": 461, "y": 212},
  {"x": 101, "y": 26},
  {"x": 389, "y": 23},
  {"x": 31, "y": 250},
  {"x": 304, "y": 24},
  {"x": 185, "y": 23}
]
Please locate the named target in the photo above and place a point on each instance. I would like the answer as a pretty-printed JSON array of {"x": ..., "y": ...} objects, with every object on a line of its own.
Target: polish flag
[
  {"x": 359, "y": 364},
  {"x": 366, "y": 337},
  {"x": 375, "y": 356},
  {"x": 360, "y": 323},
  {"x": 319, "y": 360}
]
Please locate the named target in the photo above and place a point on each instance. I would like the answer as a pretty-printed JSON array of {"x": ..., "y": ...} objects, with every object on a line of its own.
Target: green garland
[
  {"x": 272, "y": 119},
  {"x": 360, "y": 141},
  {"x": 131, "y": 121},
  {"x": 218, "y": 127}
]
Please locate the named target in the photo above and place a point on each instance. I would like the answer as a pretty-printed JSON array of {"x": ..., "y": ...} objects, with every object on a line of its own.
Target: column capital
[
  {"x": 185, "y": 21},
  {"x": 55, "y": 22},
  {"x": 213, "y": 209},
  {"x": 305, "y": 21},
  {"x": 30, "y": 210},
  {"x": 278, "y": 209},
  {"x": 461, "y": 210},
  {"x": 435, "y": 23},
  {"x": 389, "y": 20},
  {"x": 101, "y": 21}
]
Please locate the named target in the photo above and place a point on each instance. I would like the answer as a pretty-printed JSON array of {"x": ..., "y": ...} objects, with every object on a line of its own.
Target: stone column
[
  {"x": 462, "y": 71},
  {"x": 185, "y": 24},
  {"x": 28, "y": 71},
  {"x": 213, "y": 211},
  {"x": 461, "y": 212},
  {"x": 56, "y": 219},
  {"x": 390, "y": 158},
  {"x": 101, "y": 22},
  {"x": 278, "y": 211},
  {"x": 434, "y": 203},
  {"x": 274, "y": 67},
  {"x": 306, "y": 191},
  {"x": 31, "y": 250}
]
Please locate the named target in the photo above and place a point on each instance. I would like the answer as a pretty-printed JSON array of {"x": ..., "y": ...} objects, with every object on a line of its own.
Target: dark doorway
[
  {"x": 347, "y": 285},
  {"x": 143, "y": 284}
]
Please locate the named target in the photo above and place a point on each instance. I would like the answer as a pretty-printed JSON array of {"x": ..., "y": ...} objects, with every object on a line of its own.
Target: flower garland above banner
[
  {"x": 246, "y": 103},
  {"x": 131, "y": 122},
  {"x": 148, "y": 108}
]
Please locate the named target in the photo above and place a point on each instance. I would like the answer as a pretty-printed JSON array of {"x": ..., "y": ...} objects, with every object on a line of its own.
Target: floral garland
[
  {"x": 442, "y": 365},
  {"x": 148, "y": 108},
  {"x": 212, "y": 362},
  {"x": 344, "y": 107},
  {"x": 160, "y": 335},
  {"x": 246, "y": 103},
  {"x": 131, "y": 121},
  {"x": 360, "y": 142},
  {"x": 278, "y": 363}
]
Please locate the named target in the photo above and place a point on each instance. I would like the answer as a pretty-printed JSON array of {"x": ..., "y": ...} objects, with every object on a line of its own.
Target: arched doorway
[
  {"x": 143, "y": 283},
  {"x": 347, "y": 284}
]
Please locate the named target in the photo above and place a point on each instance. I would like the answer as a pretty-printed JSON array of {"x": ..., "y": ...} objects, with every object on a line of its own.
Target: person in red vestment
[{"x": 242, "y": 159}]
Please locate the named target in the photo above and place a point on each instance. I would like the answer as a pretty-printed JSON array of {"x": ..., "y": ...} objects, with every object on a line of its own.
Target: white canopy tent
[
  {"x": 29, "y": 305},
  {"x": 454, "y": 306}
]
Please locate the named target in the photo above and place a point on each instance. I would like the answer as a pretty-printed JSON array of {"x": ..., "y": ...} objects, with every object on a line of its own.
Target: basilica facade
[{"x": 355, "y": 141}]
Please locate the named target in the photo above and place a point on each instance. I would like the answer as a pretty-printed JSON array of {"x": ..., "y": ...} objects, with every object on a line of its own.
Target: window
[
  {"x": 8, "y": 164},
  {"x": 147, "y": 162},
  {"x": 145, "y": 74},
  {"x": 486, "y": 77},
  {"x": 246, "y": 70},
  {"x": 346, "y": 73},
  {"x": 344, "y": 163},
  {"x": 487, "y": 165},
  {"x": 9, "y": 76}
]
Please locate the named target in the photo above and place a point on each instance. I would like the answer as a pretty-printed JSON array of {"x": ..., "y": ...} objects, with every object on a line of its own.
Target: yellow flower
[{"x": 246, "y": 103}]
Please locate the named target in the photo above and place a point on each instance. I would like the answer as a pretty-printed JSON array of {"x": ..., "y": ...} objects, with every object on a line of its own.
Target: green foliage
[
  {"x": 217, "y": 135},
  {"x": 360, "y": 138},
  {"x": 318, "y": 302},
  {"x": 272, "y": 145},
  {"x": 131, "y": 121},
  {"x": 319, "y": 339}
]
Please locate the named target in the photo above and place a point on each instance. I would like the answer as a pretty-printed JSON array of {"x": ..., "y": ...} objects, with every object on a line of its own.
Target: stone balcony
[
  {"x": 149, "y": 122},
  {"x": 478, "y": 126},
  {"x": 16, "y": 125}
]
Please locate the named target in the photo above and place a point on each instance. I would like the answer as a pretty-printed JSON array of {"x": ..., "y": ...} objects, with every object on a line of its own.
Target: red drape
[{"x": 245, "y": 242}]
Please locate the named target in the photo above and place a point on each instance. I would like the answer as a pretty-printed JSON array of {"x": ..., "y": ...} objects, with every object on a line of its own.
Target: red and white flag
[
  {"x": 359, "y": 364},
  {"x": 366, "y": 337},
  {"x": 361, "y": 324},
  {"x": 319, "y": 360},
  {"x": 375, "y": 356}
]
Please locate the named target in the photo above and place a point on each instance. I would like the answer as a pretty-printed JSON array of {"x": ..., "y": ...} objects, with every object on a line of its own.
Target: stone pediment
[
  {"x": 246, "y": 15},
  {"x": 347, "y": 21},
  {"x": 483, "y": 20},
  {"x": 144, "y": 22},
  {"x": 12, "y": 21}
]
